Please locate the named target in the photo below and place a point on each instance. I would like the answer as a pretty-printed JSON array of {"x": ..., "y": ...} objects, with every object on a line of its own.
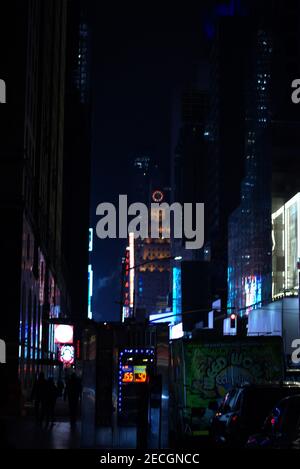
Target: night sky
[{"x": 140, "y": 55}]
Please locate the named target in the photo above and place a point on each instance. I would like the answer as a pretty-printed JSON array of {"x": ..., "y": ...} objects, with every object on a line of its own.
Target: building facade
[
  {"x": 271, "y": 163},
  {"x": 31, "y": 158}
]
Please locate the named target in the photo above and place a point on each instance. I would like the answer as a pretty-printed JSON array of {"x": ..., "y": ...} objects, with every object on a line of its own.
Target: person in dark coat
[
  {"x": 51, "y": 396},
  {"x": 60, "y": 387},
  {"x": 73, "y": 393},
  {"x": 38, "y": 394}
]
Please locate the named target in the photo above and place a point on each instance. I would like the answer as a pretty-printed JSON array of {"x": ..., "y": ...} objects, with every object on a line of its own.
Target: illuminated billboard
[
  {"x": 90, "y": 291},
  {"x": 63, "y": 334},
  {"x": 131, "y": 269},
  {"x": 176, "y": 331},
  {"x": 126, "y": 312},
  {"x": 252, "y": 286},
  {"x": 286, "y": 248},
  {"x": 66, "y": 354}
]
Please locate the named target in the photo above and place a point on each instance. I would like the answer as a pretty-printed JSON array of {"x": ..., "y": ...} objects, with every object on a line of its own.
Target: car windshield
[{"x": 228, "y": 401}]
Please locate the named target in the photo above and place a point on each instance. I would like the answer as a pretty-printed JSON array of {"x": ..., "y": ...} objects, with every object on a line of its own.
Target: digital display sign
[
  {"x": 135, "y": 366},
  {"x": 134, "y": 374},
  {"x": 253, "y": 289}
]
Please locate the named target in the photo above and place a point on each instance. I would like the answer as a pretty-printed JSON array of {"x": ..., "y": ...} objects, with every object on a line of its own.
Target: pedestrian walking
[
  {"x": 51, "y": 396},
  {"x": 60, "y": 387},
  {"x": 73, "y": 393},
  {"x": 38, "y": 395}
]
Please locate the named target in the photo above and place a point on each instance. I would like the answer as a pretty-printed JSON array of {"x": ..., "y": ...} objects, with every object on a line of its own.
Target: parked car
[
  {"x": 282, "y": 427},
  {"x": 244, "y": 409}
]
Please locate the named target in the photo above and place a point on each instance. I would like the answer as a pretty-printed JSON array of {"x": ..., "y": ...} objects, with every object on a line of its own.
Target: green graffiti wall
[{"x": 211, "y": 370}]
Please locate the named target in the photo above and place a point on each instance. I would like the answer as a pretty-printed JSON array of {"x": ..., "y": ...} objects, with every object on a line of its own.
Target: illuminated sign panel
[
  {"x": 166, "y": 316},
  {"x": 90, "y": 291},
  {"x": 90, "y": 239},
  {"x": 63, "y": 334},
  {"x": 131, "y": 269},
  {"x": 286, "y": 248},
  {"x": 134, "y": 374},
  {"x": 126, "y": 286},
  {"x": 135, "y": 367},
  {"x": 66, "y": 354},
  {"x": 252, "y": 285},
  {"x": 176, "y": 331},
  {"x": 176, "y": 292}
]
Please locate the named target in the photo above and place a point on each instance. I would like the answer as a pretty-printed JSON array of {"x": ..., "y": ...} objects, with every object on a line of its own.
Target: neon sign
[
  {"x": 90, "y": 239},
  {"x": 157, "y": 196},
  {"x": 90, "y": 291},
  {"x": 131, "y": 269},
  {"x": 126, "y": 286},
  {"x": 176, "y": 292},
  {"x": 66, "y": 354}
]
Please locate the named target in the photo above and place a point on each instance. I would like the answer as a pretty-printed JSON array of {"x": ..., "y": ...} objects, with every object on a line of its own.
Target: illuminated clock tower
[{"x": 152, "y": 278}]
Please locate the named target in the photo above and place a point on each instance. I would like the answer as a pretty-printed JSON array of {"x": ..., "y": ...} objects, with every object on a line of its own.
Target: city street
[
  {"x": 25, "y": 433},
  {"x": 150, "y": 226}
]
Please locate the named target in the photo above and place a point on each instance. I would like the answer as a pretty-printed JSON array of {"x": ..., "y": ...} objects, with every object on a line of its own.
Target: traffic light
[{"x": 232, "y": 321}]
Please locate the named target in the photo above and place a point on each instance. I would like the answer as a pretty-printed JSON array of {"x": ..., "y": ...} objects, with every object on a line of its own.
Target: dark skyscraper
[
  {"x": 32, "y": 135},
  {"x": 77, "y": 157},
  {"x": 250, "y": 224},
  {"x": 271, "y": 166},
  {"x": 225, "y": 137},
  {"x": 206, "y": 162}
]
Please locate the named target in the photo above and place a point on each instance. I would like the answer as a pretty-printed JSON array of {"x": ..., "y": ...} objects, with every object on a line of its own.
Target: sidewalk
[{"x": 26, "y": 433}]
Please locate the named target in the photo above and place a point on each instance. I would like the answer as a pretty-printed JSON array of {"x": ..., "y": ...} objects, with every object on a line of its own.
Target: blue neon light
[{"x": 176, "y": 292}]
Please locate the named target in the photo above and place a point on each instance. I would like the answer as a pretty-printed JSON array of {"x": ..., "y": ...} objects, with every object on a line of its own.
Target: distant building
[
  {"x": 146, "y": 275},
  {"x": 140, "y": 177},
  {"x": 152, "y": 277}
]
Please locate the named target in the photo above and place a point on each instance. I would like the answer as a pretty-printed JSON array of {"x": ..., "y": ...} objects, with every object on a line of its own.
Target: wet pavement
[{"x": 26, "y": 433}]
